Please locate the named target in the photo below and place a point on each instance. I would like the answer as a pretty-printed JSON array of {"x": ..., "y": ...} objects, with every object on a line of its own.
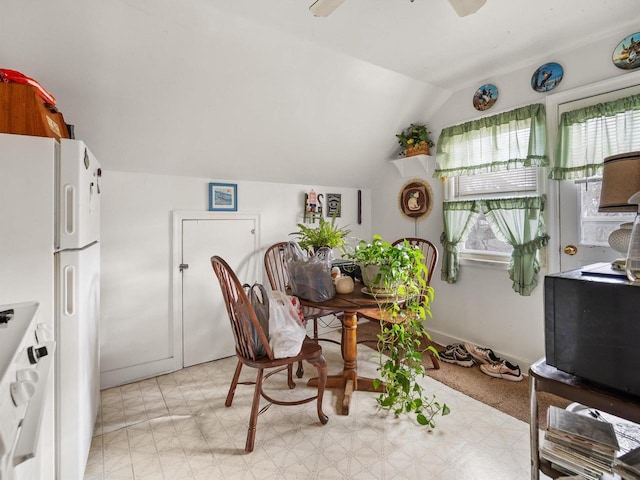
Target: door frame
[
  {"x": 552, "y": 103},
  {"x": 178, "y": 216}
]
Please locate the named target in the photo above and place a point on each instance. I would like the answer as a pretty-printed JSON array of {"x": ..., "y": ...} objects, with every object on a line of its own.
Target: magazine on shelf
[
  {"x": 577, "y": 459},
  {"x": 583, "y": 429},
  {"x": 581, "y": 447}
]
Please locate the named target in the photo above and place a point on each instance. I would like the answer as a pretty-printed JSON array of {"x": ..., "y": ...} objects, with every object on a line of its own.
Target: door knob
[
  {"x": 183, "y": 266},
  {"x": 570, "y": 250}
]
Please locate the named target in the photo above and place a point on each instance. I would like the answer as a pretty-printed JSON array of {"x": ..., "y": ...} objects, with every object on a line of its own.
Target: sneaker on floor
[
  {"x": 453, "y": 346},
  {"x": 457, "y": 355},
  {"x": 480, "y": 354},
  {"x": 504, "y": 369}
]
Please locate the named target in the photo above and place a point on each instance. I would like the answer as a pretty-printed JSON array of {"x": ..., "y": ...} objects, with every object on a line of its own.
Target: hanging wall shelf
[{"x": 406, "y": 165}]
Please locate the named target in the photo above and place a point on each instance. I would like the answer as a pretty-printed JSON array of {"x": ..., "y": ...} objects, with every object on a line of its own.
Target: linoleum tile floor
[{"x": 175, "y": 427}]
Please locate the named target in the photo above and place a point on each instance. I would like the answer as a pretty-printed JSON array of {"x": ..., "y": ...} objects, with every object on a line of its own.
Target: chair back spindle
[{"x": 241, "y": 314}]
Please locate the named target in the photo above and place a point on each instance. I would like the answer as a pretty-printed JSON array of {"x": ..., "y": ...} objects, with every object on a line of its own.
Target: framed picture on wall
[
  {"x": 223, "y": 197},
  {"x": 334, "y": 204}
]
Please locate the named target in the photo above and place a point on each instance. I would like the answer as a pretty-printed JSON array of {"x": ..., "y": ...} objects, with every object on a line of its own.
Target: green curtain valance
[
  {"x": 512, "y": 139},
  {"x": 586, "y": 136}
]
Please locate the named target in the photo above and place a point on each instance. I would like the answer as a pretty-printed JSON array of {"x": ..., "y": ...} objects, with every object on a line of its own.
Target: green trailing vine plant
[{"x": 402, "y": 333}]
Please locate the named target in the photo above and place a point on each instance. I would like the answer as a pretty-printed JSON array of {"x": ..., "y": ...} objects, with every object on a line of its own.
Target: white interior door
[{"x": 206, "y": 331}]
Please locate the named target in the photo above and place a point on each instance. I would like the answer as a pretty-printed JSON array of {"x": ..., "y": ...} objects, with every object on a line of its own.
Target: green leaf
[{"x": 422, "y": 420}]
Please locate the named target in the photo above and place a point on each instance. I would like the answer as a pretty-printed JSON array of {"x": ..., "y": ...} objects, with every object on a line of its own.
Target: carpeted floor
[{"x": 509, "y": 397}]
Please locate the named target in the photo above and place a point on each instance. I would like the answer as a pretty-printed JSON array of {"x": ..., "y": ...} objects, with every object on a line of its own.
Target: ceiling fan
[{"x": 323, "y": 8}]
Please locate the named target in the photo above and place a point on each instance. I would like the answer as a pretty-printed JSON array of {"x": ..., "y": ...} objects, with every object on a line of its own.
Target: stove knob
[
  {"x": 35, "y": 354},
  {"x": 43, "y": 333},
  {"x": 27, "y": 374},
  {"x": 21, "y": 392}
]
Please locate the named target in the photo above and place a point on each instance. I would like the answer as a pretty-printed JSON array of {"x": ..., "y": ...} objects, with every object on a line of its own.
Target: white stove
[{"x": 26, "y": 362}]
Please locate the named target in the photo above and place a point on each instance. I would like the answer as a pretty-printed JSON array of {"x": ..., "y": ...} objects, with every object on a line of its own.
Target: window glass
[
  {"x": 507, "y": 183},
  {"x": 595, "y": 227}
]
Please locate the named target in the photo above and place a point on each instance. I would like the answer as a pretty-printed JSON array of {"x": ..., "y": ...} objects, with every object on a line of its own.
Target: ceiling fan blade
[
  {"x": 323, "y": 8},
  {"x": 466, "y": 7}
]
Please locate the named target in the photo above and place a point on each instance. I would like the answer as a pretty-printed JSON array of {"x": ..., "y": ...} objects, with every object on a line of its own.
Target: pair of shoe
[
  {"x": 467, "y": 354},
  {"x": 493, "y": 366},
  {"x": 456, "y": 353}
]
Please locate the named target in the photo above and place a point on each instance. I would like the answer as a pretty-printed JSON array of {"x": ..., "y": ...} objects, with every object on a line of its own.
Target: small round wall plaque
[
  {"x": 547, "y": 77},
  {"x": 485, "y": 97},
  {"x": 416, "y": 199},
  {"x": 627, "y": 53}
]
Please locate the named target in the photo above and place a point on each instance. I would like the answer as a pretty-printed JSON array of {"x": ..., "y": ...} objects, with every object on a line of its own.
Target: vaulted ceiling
[
  {"x": 426, "y": 39},
  {"x": 263, "y": 90}
]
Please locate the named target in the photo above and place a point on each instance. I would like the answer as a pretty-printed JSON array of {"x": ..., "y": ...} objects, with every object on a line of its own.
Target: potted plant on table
[
  {"x": 415, "y": 140},
  {"x": 326, "y": 234},
  {"x": 404, "y": 304}
]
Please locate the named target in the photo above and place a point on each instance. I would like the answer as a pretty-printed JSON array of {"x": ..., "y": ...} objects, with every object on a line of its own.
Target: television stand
[{"x": 545, "y": 378}]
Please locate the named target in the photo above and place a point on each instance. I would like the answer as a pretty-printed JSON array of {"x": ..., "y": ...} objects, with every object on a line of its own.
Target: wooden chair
[
  {"x": 243, "y": 322},
  {"x": 275, "y": 265},
  {"x": 430, "y": 253}
]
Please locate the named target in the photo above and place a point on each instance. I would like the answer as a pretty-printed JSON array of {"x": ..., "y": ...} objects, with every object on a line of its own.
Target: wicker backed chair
[{"x": 244, "y": 324}]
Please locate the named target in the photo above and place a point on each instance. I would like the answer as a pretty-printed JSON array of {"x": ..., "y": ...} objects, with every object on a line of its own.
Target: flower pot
[
  {"x": 419, "y": 149},
  {"x": 369, "y": 276}
]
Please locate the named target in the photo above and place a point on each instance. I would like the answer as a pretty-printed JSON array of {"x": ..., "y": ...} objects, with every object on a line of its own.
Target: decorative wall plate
[
  {"x": 485, "y": 97},
  {"x": 627, "y": 54},
  {"x": 416, "y": 199},
  {"x": 547, "y": 77}
]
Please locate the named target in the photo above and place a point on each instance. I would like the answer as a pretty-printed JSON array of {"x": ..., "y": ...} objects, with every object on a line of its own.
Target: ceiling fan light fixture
[
  {"x": 323, "y": 8},
  {"x": 466, "y": 7}
]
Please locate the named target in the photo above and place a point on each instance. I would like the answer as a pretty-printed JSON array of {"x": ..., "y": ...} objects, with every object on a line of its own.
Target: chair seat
[{"x": 309, "y": 349}]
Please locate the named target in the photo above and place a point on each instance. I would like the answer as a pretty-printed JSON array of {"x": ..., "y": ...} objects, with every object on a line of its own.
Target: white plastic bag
[{"x": 286, "y": 331}]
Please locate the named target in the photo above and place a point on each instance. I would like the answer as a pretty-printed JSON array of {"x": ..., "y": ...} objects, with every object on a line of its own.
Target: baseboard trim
[{"x": 134, "y": 373}]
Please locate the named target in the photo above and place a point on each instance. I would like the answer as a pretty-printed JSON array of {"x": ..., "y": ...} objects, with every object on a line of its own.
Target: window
[
  {"x": 492, "y": 204},
  {"x": 481, "y": 240}
]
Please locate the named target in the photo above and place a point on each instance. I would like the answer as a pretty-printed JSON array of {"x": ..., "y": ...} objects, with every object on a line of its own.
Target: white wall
[
  {"x": 482, "y": 307},
  {"x": 186, "y": 88},
  {"x": 137, "y": 321}
]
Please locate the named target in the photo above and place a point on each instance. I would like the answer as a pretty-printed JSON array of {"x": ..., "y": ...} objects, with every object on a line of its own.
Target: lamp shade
[{"x": 620, "y": 180}]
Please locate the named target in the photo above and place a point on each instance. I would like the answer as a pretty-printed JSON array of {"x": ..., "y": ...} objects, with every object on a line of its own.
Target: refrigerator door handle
[
  {"x": 68, "y": 290},
  {"x": 69, "y": 209}
]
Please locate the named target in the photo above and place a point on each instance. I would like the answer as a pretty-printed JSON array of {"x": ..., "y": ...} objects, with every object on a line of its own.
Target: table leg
[
  {"x": 533, "y": 428},
  {"x": 349, "y": 380}
]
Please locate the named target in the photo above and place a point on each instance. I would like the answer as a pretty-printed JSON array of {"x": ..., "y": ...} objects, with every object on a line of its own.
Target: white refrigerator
[{"x": 50, "y": 253}]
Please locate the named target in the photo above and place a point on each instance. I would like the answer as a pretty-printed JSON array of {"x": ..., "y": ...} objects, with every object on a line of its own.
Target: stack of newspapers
[{"x": 578, "y": 444}]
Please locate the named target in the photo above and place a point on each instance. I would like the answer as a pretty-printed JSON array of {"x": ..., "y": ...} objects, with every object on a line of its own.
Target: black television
[{"x": 592, "y": 327}]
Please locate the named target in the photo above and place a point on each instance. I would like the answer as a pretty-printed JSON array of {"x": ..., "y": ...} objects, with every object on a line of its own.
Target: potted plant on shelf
[
  {"x": 403, "y": 308},
  {"x": 415, "y": 140},
  {"x": 326, "y": 234}
]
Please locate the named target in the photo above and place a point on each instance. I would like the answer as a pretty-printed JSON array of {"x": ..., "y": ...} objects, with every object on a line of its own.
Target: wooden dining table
[{"x": 350, "y": 304}]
